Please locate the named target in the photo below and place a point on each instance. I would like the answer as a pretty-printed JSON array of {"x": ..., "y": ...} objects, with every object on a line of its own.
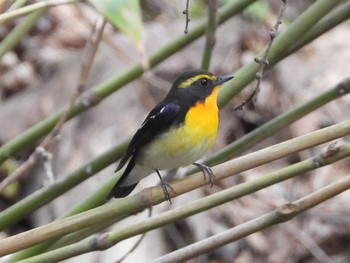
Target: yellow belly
[{"x": 187, "y": 143}]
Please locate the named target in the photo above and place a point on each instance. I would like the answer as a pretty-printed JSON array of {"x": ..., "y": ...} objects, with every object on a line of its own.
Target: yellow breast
[{"x": 186, "y": 144}]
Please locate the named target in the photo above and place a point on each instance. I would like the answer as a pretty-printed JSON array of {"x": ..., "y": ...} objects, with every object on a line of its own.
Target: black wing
[{"x": 158, "y": 120}]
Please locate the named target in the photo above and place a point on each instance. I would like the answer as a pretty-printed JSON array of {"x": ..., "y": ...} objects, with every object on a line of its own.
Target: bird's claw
[
  {"x": 206, "y": 170},
  {"x": 165, "y": 186}
]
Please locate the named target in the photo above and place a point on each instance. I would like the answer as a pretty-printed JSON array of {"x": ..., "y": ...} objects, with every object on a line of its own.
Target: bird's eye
[{"x": 204, "y": 82}]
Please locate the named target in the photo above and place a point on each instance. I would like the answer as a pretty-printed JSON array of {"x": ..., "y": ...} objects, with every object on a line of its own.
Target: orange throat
[{"x": 204, "y": 115}]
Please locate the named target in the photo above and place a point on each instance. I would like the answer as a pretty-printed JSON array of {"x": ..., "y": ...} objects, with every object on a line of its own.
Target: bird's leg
[
  {"x": 165, "y": 185},
  {"x": 206, "y": 170}
]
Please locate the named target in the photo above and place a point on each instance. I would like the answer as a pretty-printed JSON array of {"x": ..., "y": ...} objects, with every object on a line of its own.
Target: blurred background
[{"x": 40, "y": 74}]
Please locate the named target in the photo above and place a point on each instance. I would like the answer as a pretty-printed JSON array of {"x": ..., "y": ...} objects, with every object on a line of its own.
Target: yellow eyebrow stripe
[{"x": 188, "y": 82}]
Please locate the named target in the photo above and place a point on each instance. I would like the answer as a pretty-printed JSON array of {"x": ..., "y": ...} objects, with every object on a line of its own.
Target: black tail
[{"x": 119, "y": 190}]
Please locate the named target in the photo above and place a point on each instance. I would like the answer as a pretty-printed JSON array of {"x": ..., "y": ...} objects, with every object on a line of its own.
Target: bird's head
[{"x": 196, "y": 85}]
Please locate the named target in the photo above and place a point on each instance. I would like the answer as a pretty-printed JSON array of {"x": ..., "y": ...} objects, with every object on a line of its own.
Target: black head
[{"x": 193, "y": 86}]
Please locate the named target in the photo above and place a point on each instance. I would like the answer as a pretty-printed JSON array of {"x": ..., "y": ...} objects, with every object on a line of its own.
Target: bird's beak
[{"x": 221, "y": 80}]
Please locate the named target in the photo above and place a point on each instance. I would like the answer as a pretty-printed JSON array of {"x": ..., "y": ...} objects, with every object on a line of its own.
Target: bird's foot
[
  {"x": 206, "y": 170},
  {"x": 165, "y": 186}
]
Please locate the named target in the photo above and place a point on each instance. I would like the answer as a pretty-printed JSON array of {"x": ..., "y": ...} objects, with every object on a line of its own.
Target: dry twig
[
  {"x": 263, "y": 61},
  {"x": 186, "y": 13},
  {"x": 43, "y": 151}
]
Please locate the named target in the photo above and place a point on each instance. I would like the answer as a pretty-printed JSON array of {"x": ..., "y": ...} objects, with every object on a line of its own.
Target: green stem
[
  {"x": 240, "y": 164},
  {"x": 334, "y": 18},
  {"x": 94, "y": 200},
  {"x": 41, "y": 6},
  {"x": 105, "y": 241},
  {"x": 152, "y": 196},
  {"x": 41, "y": 197},
  {"x": 210, "y": 34},
  {"x": 81, "y": 234},
  {"x": 12, "y": 39}
]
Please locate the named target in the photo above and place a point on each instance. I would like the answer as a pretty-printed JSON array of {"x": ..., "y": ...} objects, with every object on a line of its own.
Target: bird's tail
[
  {"x": 128, "y": 181},
  {"x": 119, "y": 191}
]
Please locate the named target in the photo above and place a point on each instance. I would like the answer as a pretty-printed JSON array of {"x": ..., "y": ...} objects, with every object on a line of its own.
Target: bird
[{"x": 177, "y": 132}]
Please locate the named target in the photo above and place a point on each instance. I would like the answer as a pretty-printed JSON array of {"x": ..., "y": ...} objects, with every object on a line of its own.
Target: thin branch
[
  {"x": 12, "y": 39},
  {"x": 155, "y": 195},
  {"x": 340, "y": 14},
  {"x": 210, "y": 34},
  {"x": 186, "y": 13},
  {"x": 282, "y": 214},
  {"x": 43, "y": 149},
  {"x": 32, "y": 8},
  {"x": 263, "y": 61},
  {"x": 107, "y": 240}
]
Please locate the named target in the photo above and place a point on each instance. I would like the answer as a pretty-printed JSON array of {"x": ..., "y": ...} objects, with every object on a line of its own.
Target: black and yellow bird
[{"x": 176, "y": 133}]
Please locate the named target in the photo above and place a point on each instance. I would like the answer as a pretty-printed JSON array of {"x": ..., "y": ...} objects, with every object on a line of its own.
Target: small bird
[{"x": 176, "y": 133}]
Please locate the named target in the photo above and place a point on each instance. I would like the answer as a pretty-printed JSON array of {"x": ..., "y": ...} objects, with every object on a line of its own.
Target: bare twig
[
  {"x": 42, "y": 151},
  {"x": 263, "y": 61},
  {"x": 186, "y": 13}
]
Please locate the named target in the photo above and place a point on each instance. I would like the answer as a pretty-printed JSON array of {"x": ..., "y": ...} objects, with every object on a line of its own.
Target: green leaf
[{"x": 125, "y": 15}]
